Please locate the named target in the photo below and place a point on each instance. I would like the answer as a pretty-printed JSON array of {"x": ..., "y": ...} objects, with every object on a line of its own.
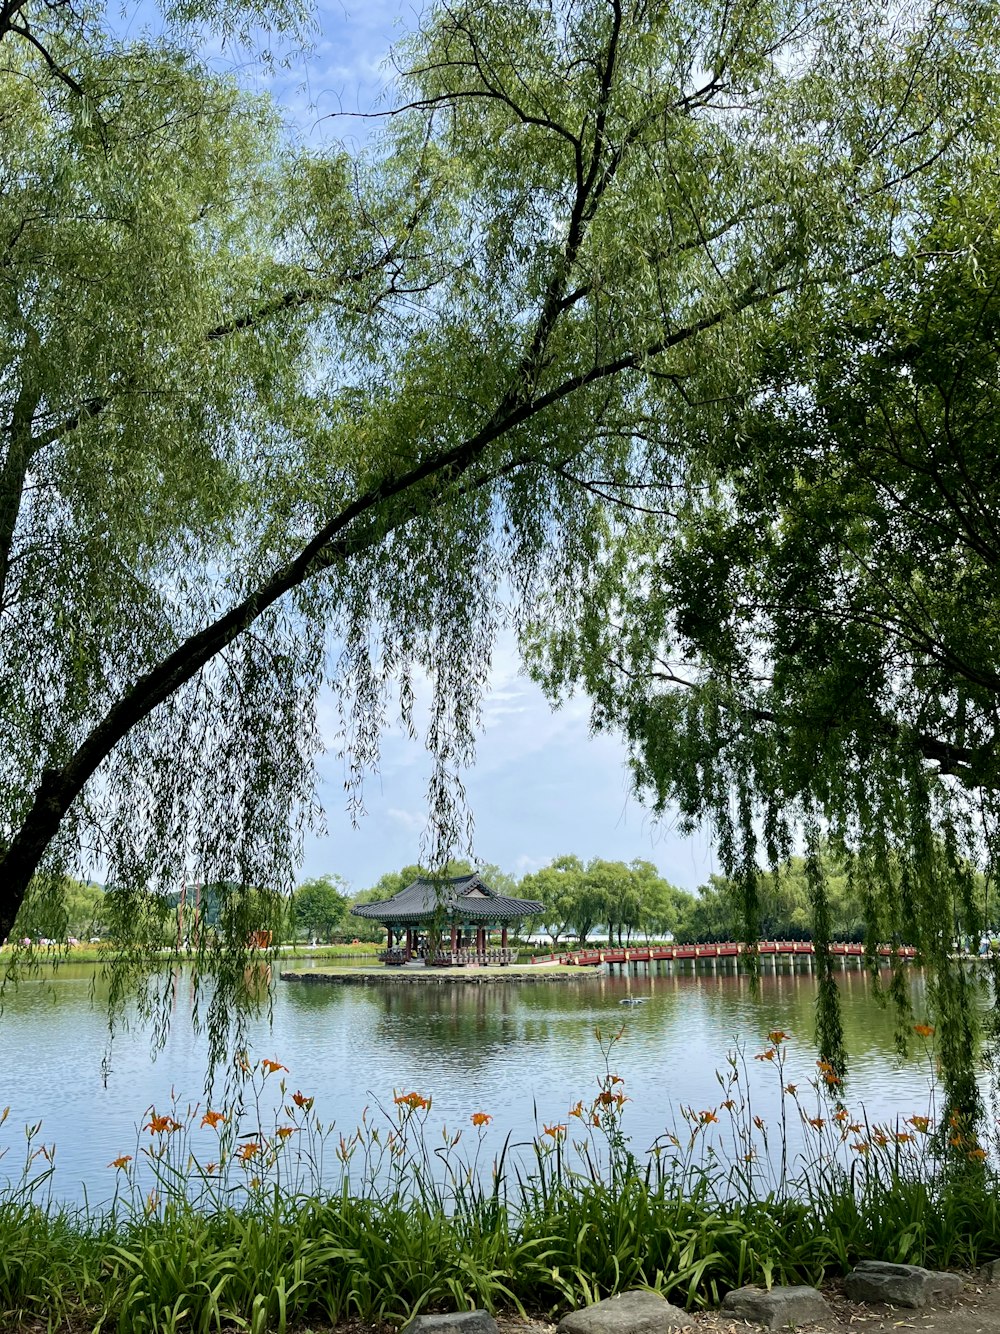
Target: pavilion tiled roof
[{"x": 465, "y": 895}]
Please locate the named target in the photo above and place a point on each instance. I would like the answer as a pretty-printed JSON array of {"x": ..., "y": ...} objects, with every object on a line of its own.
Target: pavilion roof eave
[
  {"x": 385, "y": 912},
  {"x": 460, "y": 898}
]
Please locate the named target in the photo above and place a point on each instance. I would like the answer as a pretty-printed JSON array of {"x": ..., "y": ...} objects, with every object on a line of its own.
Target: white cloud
[
  {"x": 412, "y": 821},
  {"x": 525, "y": 864}
]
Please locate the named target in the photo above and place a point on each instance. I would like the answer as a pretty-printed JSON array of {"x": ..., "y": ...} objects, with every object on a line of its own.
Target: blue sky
[{"x": 542, "y": 785}]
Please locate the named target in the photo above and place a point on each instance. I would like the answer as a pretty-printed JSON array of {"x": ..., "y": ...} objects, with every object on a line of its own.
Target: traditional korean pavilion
[{"x": 450, "y": 921}]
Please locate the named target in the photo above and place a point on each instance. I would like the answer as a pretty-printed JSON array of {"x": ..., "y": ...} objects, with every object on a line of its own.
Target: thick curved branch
[
  {"x": 58, "y": 71},
  {"x": 381, "y": 509},
  {"x": 9, "y": 11}
]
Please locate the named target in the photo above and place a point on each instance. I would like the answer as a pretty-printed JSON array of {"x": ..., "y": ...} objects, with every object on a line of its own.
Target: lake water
[{"x": 524, "y": 1054}]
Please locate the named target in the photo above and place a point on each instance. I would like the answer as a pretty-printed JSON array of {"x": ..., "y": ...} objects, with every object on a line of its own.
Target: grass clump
[{"x": 254, "y": 1238}]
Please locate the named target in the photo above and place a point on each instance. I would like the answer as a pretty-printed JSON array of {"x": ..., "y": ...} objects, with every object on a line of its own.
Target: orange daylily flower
[
  {"x": 249, "y": 1150},
  {"x": 921, "y": 1123},
  {"x": 977, "y": 1155},
  {"x": 158, "y": 1124},
  {"x": 123, "y": 1161},
  {"x": 924, "y": 1030},
  {"x": 577, "y": 1110},
  {"x": 765, "y": 1055},
  {"x": 212, "y": 1119},
  {"x": 211, "y": 1168},
  {"x": 273, "y": 1066},
  {"x": 556, "y": 1131},
  {"x": 817, "y": 1122},
  {"x": 707, "y": 1117},
  {"x": 284, "y": 1131},
  {"x": 790, "y": 1089},
  {"x": 777, "y": 1036},
  {"x": 412, "y": 1101},
  {"x": 300, "y": 1100},
  {"x": 480, "y": 1118}
]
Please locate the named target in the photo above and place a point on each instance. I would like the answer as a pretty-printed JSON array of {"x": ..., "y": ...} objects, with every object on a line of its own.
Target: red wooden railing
[{"x": 728, "y": 950}]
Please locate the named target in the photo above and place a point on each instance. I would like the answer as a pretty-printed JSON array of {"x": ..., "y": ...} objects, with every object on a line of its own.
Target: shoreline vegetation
[
  {"x": 255, "y": 1237},
  {"x": 104, "y": 951}
]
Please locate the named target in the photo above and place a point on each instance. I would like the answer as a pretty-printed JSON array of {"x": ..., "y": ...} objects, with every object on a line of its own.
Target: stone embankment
[
  {"x": 475, "y": 977},
  {"x": 920, "y": 1299}
]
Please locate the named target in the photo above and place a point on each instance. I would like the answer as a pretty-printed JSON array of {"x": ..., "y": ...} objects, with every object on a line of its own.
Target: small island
[{"x": 441, "y": 928}]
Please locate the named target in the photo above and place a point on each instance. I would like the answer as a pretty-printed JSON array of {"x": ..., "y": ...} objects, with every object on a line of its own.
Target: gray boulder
[
  {"x": 454, "y": 1322},
  {"x": 638, "y": 1312},
  {"x": 900, "y": 1285},
  {"x": 777, "y": 1308}
]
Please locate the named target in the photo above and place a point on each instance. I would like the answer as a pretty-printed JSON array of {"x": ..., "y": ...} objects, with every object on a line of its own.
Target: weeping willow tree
[
  {"x": 803, "y": 649},
  {"x": 273, "y": 418}
]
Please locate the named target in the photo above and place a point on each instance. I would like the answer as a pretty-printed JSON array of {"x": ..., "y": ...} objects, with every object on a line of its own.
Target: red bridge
[{"x": 766, "y": 949}]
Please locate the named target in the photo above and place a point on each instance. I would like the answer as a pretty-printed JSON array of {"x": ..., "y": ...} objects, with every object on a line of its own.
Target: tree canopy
[
  {"x": 802, "y": 647},
  {"x": 319, "y": 907},
  {"x": 623, "y": 898},
  {"x": 273, "y": 417}
]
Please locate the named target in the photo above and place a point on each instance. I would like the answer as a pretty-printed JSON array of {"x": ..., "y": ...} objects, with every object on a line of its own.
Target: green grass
[
  {"x": 84, "y": 952},
  {"x": 250, "y": 1241}
]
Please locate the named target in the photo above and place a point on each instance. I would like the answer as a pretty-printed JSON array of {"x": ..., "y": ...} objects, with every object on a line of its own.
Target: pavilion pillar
[
  {"x": 409, "y": 943},
  {"x": 454, "y": 937},
  {"x": 481, "y": 940},
  {"x": 503, "y": 937}
]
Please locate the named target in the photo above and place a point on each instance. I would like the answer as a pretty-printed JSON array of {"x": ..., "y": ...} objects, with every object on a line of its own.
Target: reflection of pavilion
[{"x": 447, "y": 922}]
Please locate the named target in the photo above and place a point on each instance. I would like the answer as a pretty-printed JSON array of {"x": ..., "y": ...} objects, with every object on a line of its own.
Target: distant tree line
[
  {"x": 70, "y": 909},
  {"x": 620, "y": 901}
]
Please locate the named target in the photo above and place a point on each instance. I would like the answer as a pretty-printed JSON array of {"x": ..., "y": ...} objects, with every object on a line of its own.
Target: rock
[
  {"x": 638, "y": 1312},
  {"x": 899, "y": 1285},
  {"x": 454, "y": 1322},
  {"x": 990, "y": 1272},
  {"x": 778, "y": 1307}
]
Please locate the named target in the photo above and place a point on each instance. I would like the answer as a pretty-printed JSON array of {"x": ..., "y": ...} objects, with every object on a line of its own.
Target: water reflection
[{"x": 517, "y": 1052}]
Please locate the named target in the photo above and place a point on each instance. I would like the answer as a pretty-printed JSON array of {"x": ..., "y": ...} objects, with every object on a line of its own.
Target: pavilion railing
[
  {"x": 393, "y": 956},
  {"x": 494, "y": 957},
  {"x": 498, "y": 957}
]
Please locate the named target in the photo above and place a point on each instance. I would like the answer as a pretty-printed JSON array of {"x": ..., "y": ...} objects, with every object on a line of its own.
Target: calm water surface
[{"x": 523, "y": 1053}]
